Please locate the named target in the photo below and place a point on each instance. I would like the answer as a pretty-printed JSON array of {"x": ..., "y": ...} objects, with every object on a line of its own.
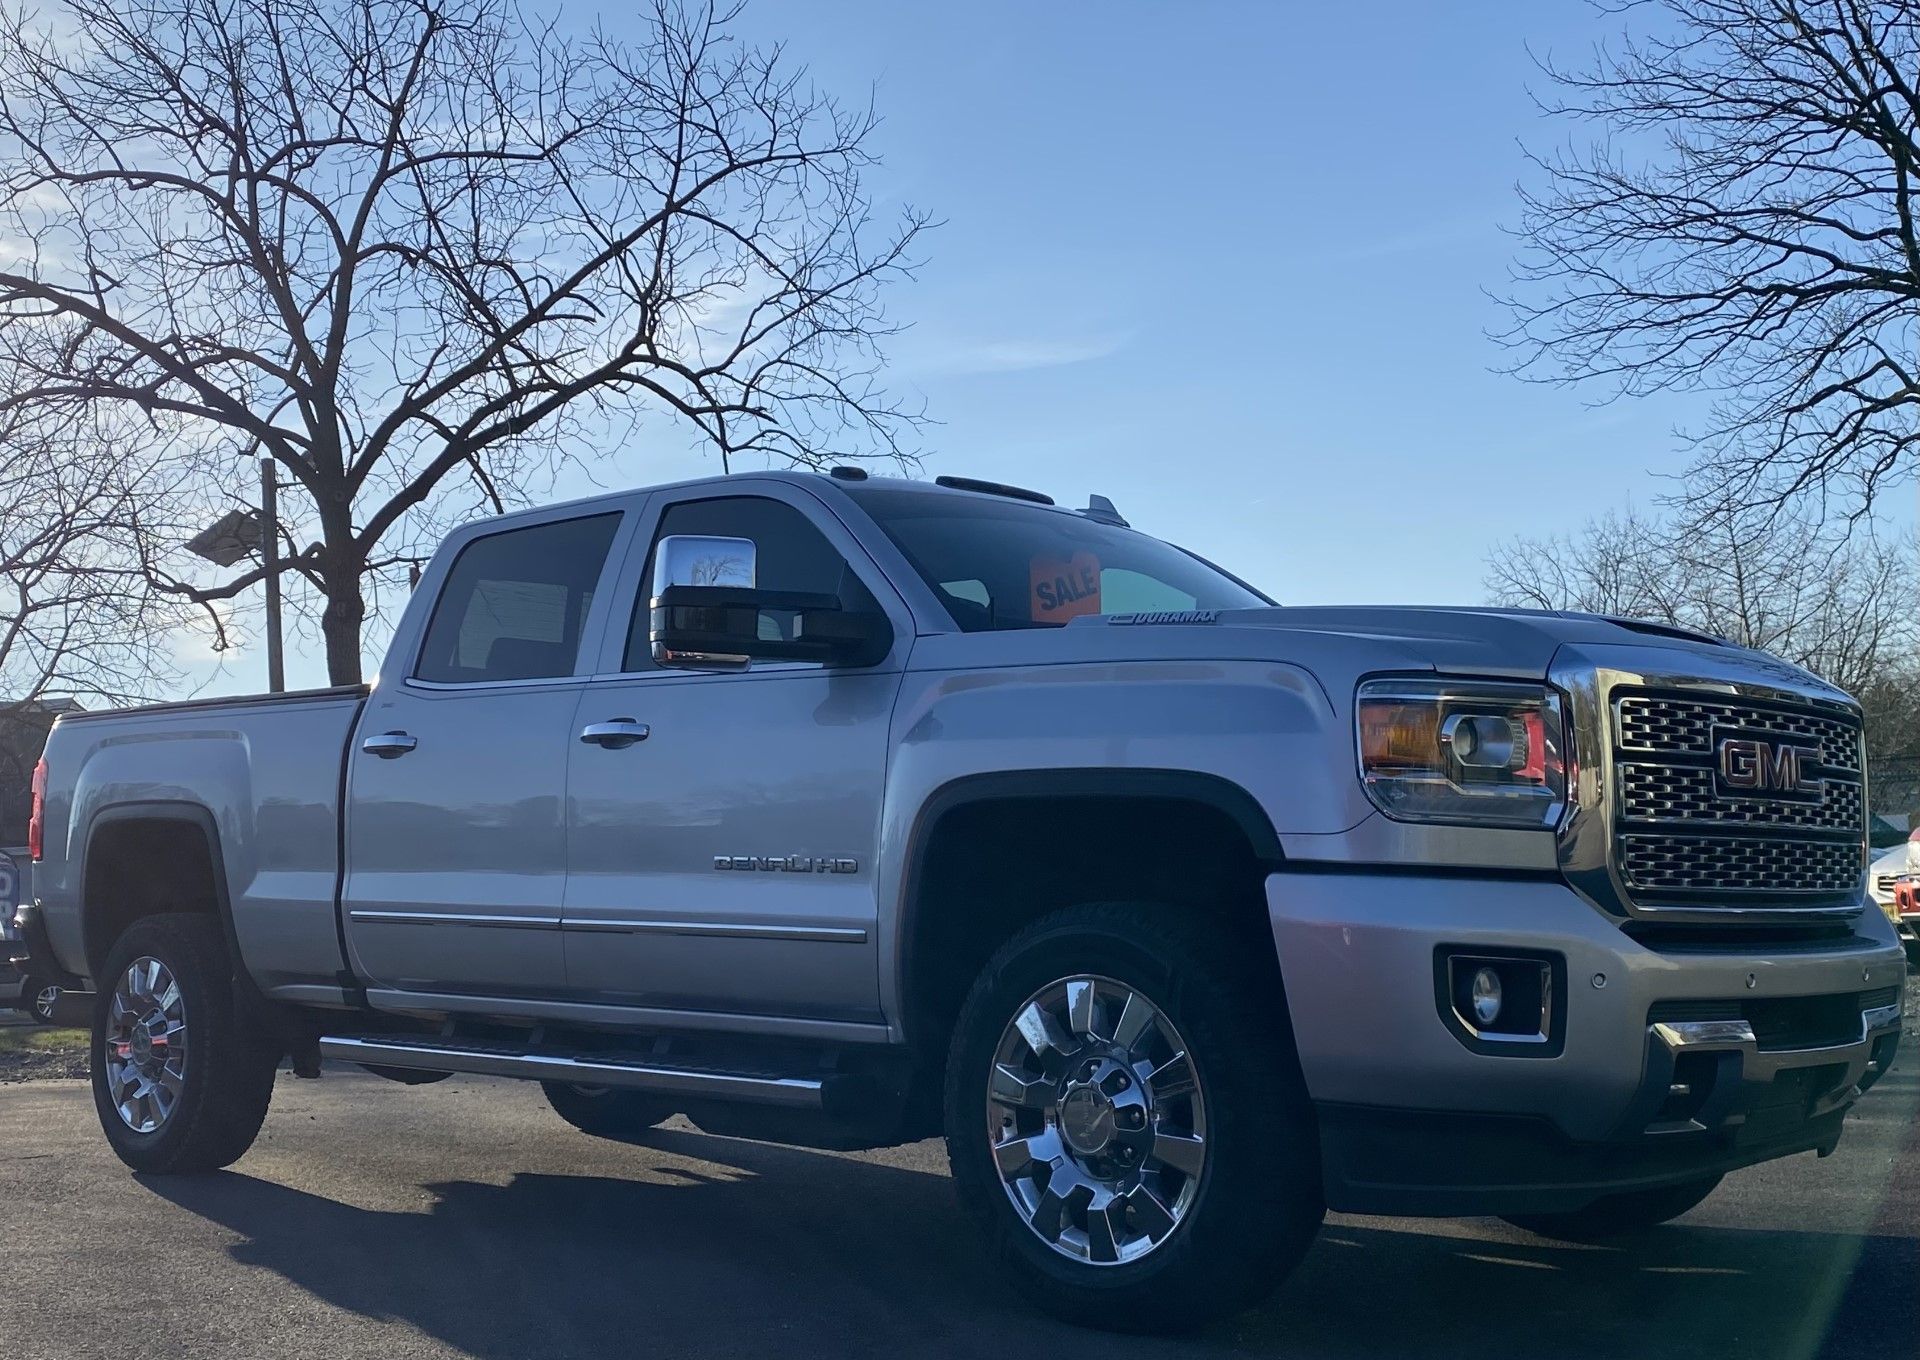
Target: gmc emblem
[{"x": 1749, "y": 765}]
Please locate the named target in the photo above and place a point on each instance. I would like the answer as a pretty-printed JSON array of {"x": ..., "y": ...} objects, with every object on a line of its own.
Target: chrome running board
[{"x": 430, "y": 1055}]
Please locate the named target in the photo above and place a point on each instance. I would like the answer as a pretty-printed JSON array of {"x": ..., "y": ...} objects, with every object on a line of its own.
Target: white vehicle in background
[{"x": 1882, "y": 879}]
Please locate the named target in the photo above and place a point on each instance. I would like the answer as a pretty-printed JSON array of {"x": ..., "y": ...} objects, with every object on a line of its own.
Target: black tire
[
  {"x": 1620, "y": 1215},
  {"x": 1257, "y": 1201},
  {"x": 227, "y": 1075},
  {"x": 33, "y": 1004},
  {"x": 606, "y": 1112}
]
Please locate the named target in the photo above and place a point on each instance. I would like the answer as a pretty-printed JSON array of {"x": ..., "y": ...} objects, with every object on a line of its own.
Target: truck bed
[
  {"x": 218, "y": 701},
  {"x": 259, "y": 776}
]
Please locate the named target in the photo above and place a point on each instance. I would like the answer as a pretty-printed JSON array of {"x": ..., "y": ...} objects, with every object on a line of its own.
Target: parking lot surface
[{"x": 465, "y": 1219}]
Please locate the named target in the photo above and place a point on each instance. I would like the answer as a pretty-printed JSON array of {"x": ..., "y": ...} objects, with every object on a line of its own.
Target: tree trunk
[{"x": 345, "y": 612}]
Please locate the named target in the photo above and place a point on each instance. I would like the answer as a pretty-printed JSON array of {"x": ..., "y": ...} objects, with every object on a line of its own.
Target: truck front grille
[
  {"x": 1685, "y": 864},
  {"x": 1682, "y": 836},
  {"x": 1671, "y": 725},
  {"x": 1667, "y": 794}
]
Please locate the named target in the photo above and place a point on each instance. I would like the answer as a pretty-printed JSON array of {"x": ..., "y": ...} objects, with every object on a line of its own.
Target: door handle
[
  {"x": 389, "y": 745},
  {"x": 616, "y": 733}
]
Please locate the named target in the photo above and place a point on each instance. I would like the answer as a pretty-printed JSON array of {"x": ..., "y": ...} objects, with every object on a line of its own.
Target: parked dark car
[{"x": 20, "y": 986}]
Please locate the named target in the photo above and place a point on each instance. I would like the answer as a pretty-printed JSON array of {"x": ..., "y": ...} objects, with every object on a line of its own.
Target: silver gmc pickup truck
[{"x": 846, "y": 811}]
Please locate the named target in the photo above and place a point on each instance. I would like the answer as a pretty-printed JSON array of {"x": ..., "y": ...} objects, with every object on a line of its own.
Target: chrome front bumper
[
  {"x": 1413, "y": 1120},
  {"x": 1747, "y": 1074}
]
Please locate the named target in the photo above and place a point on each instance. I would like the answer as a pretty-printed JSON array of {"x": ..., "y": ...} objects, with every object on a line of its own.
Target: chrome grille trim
[{"x": 1681, "y": 695}]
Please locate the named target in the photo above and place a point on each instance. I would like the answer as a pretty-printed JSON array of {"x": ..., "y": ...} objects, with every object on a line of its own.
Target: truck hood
[
  {"x": 1473, "y": 640},
  {"x": 1339, "y": 644},
  {"x": 1466, "y": 638}
]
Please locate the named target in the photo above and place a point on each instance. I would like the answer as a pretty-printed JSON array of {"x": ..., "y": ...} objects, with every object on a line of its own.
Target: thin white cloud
[
  {"x": 1442, "y": 235},
  {"x": 1016, "y": 354}
]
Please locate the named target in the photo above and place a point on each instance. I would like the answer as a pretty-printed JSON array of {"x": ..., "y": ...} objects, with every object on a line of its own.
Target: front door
[
  {"x": 456, "y": 839},
  {"x": 725, "y": 861}
]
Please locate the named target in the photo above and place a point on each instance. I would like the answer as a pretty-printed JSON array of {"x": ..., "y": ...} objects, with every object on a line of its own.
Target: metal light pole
[
  {"x": 241, "y": 532},
  {"x": 269, "y": 547}
]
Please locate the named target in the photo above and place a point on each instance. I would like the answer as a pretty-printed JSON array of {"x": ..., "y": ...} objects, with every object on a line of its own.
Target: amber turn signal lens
[{"x": 1399, "y": 736}]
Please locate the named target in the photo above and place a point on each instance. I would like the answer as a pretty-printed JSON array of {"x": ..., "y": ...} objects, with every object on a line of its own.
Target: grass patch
[
  {"x": 39, "y": 1053},
  {"x": 41, "y": 1039}
]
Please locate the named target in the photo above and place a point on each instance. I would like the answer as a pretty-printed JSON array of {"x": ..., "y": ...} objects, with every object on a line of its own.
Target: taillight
[{"x": 37, "y": 820}]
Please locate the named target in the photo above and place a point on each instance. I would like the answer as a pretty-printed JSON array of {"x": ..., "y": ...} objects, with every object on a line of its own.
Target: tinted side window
[
  {"x": 793, "y": 555},
  {"x": 514, "y": 603}
]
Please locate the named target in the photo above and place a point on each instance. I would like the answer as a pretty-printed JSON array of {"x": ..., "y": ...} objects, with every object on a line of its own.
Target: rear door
[
  {"x": 456, "y": 838},
  {"x": 726, "y": 860}
]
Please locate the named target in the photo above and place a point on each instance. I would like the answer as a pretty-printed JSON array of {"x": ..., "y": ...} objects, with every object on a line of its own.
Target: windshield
[{"x": 1006, "y": 564}]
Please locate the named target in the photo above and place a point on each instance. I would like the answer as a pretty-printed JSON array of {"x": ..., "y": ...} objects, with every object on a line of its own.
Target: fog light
[
  {"x": 1485, "y": 996},
  {"x": 1501, "y": 1002}
]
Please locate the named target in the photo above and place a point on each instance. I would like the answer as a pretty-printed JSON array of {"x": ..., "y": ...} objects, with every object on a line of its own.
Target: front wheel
[
  {"x": 1619, "y": 1215},
  {"x": 1126, "y": 1119},
  {"x": 180, "y": 1079}
]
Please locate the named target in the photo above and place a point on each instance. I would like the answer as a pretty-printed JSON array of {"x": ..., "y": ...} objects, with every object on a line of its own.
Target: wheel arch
[
  {"x": 119, "y": 831},
  {"x": 1101, "y": 813}
]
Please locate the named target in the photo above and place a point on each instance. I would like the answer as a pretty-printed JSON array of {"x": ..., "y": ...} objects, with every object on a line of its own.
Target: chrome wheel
[
  {"x": 44, "y": 1001},
  {"x": 1097, "y": 1120},
  {"x": 145, "y": 1048}
]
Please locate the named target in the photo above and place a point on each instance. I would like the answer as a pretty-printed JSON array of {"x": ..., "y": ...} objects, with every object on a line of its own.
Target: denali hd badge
[
  {"x": 784, "y": 864},
  {"x": 1746, "y": 765}
]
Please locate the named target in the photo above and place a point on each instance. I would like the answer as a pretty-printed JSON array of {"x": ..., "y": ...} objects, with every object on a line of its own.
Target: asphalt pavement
[{"x": 465, "y": 1219}]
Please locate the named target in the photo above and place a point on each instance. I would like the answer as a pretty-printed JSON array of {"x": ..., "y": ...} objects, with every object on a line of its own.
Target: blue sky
[{"x": 1226, "y": 264}]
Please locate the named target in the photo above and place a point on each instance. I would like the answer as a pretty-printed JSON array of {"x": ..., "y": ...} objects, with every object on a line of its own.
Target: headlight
[{"x": 1463, "y": 751}]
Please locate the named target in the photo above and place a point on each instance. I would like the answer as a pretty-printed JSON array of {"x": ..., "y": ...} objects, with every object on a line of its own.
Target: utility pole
[{"x": 269, "y": 561}]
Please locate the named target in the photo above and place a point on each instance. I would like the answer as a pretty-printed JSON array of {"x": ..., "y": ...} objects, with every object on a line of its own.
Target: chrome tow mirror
[
  {"x": 701, "y": 560},
  {"x": 696, "y": 614}
]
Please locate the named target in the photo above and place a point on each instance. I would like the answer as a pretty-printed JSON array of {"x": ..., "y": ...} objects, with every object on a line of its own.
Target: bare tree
[
  {"x": 79, "y": 619},
  {"x": 419, "y": 250},
  {"x": 1742, "y": 221},
  {"x": 1844, "y": 607}
]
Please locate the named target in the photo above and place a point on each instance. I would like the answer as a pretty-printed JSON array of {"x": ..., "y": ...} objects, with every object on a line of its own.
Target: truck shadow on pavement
[{"x": 774, "y": 1250}]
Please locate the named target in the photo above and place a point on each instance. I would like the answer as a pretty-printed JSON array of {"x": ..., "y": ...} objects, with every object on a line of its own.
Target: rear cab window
[{"x": 514, "y": 604}]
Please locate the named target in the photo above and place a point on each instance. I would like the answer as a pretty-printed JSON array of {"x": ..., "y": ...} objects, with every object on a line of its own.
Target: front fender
[{"x": 1254, "y": 735}]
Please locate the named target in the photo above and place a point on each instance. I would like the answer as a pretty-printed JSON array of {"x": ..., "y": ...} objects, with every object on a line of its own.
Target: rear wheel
[
  {"x": 1619, "y": 1215},
  {"x": 180, "y": 1080},
  {"x": 1126, "y": 1120},
  {"x": 604, "y": 1111},
  {"x": 40, "y": 999}
]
